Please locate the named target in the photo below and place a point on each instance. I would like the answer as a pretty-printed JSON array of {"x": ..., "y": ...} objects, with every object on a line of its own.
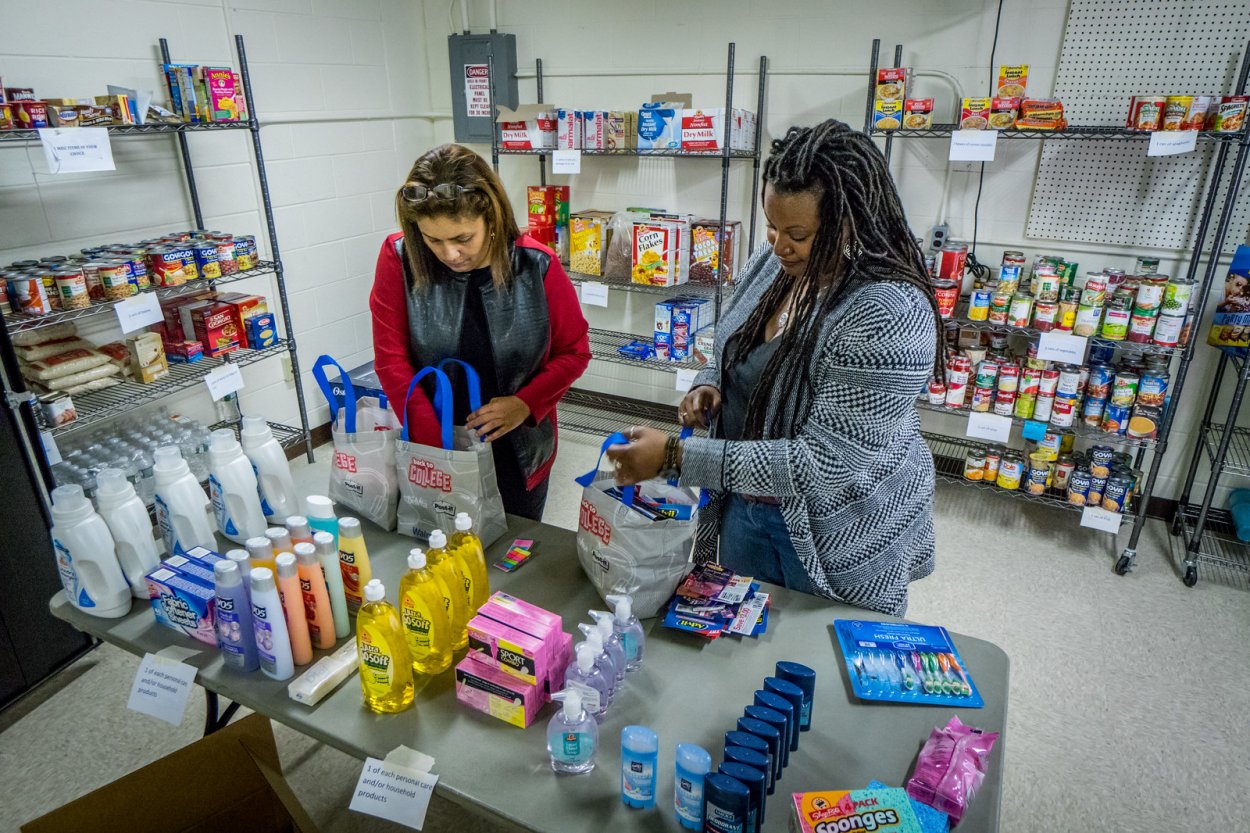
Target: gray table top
[{"x": 688, "y": 691}]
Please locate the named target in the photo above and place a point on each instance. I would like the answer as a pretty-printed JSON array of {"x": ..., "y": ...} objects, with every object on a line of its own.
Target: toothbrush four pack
[{"x": 901, "y": 663}]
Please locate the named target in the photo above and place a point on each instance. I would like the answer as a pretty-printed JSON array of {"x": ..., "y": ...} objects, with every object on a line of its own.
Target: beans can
[
  {"x": 1078, "y": 486},
  {"x": 1039, "y": 473},
  {"x": 1000, "y": 305},
  {"x": 979, "y": 305},
  {"x": 937, "y": 392},
  {"x": 1141, "y": 328},
  {"x": 974, "y": 464},
  {"x": 27, "y": 296},
  {"x": 91, "y": 274},
  {"x": 1115, "y": 495},
  {"x": 993, "y": 459},
  {"x": 1010, "y": 471},
  {"x": 953, "y": 261},
  {"x": 1069, "y": 380},
  {"x": 165, "y": 266},
  {"x": 115, "y": 280},
  {"x": 1100, "y": 457},
  {"x": 228, "y": 265},
  {"x": 1044, "y": 408},
  {"x": 1124, "y": 388},
  {"x": 1020, "y": 311},
  {"x": 72, "y": 287},
  {"x": 1045, "y": 315},
  {"x": 1176, "y": 297},
  {"x": 245, "y": 252},
  {"x": 206, "y": 264},
  {"x": 1063, "y": 412},
  {"x": 1063, "y": 471}
]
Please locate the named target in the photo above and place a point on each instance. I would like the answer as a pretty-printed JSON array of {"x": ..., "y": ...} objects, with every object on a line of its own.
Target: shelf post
[
  {"x": 872, "y": 84},
  {"x": 759, "y": 154},
  {"x": 185, "y": 152},
  {"x": 724, "y": 176}
]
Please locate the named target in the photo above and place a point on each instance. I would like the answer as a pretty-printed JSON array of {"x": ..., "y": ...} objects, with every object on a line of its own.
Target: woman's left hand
[
  {"x": 498, "y": 417},
  {"x": 641, "y": 459}
]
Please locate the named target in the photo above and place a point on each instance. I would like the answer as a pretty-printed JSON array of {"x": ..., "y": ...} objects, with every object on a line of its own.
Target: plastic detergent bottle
[
  {"x": 727, "y": 804},
  {"x": 273, "y": 644},
  {"x": 468, "y": 549},
  {"x": 426, "y": 626},
  {"x": 276, "y": 489},
  {"x": 260, "y": 551},
  {"x": 693, "y": 764},
  {"x": 299, "y": 530},
  {"x": 232, "y": 486},
  {"x": 611, "y": 642},
  {"x": 572, "y": 735},
  {"x": 385, "y": 664},
  {"x": 293, "y": 609},
  {"x": 582, "y": 676},
  {"x": 93, "y": 580},
  {"x": 319, "y": 510},
  {"x": 626, "y": 624},
  {"x": 639, "y": 751},
  {"x": 181, "y": 508},
  {"x": 753, "y": 779},
  {"x": 312, "y": 586},
  {"x": 603, "y": 661},
  {"x": 445, "y": 565},
  {"x": 128, "y": 521},
  {"x": 353, "y": 562},
  {"x": 233, "y": 614},
  {"x": 328, "y": 556}
]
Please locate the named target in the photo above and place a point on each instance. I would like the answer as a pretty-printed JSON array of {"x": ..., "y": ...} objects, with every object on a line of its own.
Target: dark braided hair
[{"x": 860, "y": 212}]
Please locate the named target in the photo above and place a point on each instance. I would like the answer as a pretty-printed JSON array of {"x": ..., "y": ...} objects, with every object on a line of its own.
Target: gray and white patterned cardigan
[{"x": 856, "y": 483}]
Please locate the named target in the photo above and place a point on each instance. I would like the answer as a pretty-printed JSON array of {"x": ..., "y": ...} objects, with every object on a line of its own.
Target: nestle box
[
  {"x": 528, "y": 127},
  {"x": 659, "y": 121},
  {"x": 569, "y": 129}
]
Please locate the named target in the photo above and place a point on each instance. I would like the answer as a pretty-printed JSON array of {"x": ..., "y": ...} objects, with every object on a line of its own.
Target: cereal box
[
  {"x": 528, "y": 127},
  {"x": 660, "y": 252},
  {"x": 1003, "y": 113},
  {"x": 918, "y": 113},
  {"x": 620, "y": 130},
  {"x": 853, "y": 811},
  {"x": 887, "y": 115},
  {"x": 659, "y": 121},
  {"x": 549, "y": 217},
  {"x": 594, "y": 130},
  {"x": 1230, "y": 325},
  {"x": 569, "y": 129},
  {"x": 588, "y": 241},
  {"x": 705, "y": 250},
  {"x": 1012, "y": 81},
  {"x": 975, "y": 114},
  {"x": 891, "y": 84}
]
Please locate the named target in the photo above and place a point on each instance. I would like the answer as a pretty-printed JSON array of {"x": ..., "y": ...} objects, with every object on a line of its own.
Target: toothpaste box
[
  {"x": 497, "y": 694},
  {"x": 510, "y": 650},
  {"x": 193, "y": 570},
  {"x": 182, "y": 604},
  {"x": 569, "y": 129},
  {"x": 659, "y": 121},
  {"x": 528, "y": 127}
]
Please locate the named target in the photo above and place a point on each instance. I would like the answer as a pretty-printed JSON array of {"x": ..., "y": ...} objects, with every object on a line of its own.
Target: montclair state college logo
[
  {"x": 425, "y": 474},
  {"x": 594, "y": 523}
]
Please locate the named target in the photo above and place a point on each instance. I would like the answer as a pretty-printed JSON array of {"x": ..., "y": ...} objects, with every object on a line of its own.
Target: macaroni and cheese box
[
  {"x": 661, "y": 252},
  {"x": 528, "y": 127}
]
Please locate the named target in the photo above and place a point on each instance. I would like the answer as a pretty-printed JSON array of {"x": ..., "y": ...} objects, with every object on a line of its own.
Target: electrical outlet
[
  {"x": 938, "y": 235},
  {"x": 288, "y": 374}
]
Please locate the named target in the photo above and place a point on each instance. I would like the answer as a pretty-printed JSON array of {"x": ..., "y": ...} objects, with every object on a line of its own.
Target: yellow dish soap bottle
[
  {"x": 426, "y": 627},
  {"x": 468, "y": 548},
  {"x": 446, "y": 567},
  {"x": 385, "y": 664},
  {"x": 354, "y": 562}
]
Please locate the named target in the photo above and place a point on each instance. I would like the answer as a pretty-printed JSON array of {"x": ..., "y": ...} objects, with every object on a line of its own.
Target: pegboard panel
[{"x": 1111, "y": 192}]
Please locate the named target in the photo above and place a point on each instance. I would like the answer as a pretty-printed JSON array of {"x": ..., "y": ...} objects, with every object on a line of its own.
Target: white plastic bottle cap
[
  {"x": 69, "y": 500},
  {"x": 416, "y": 559},
  {"x": 112, "y": 483},
  {"x": 255, "y": 426},
  {"x": 168, "y": 460},
  {"x": 262, "y": 579},
  {"x": 167, "y": 454},
  {"x": 222, "y": 441},
  {"x": 374, "y": 591},
  {"x": 296, "y": 520},
  {"x": 463, "y": 522},
  {"x": 286, "y": 565},
  {"x": 438, "y": 539},
  {"x": 318, "y": 506},
  {"x": 572, "y": 699},
  {"x": 585, "y": 657},
  {"x": 624, "y": 606},
  {"x": 279, "y": 538}
]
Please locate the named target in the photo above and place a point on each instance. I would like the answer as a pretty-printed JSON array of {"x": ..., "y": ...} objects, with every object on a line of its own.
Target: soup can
[
  {"x": 1114, "y": 419},
  {"x": 982, "y": 400},
  {"x": 1020, "y": 311},
  {"x": 957, "y": 373},
  {"x": 1078, "y": 486},
  {"x": 987, "y": 373},
  {"x": 1045, "y": 314},
  {"x": 1069, "y": 381},
  {"x": 1030, "y": 380},
  {"x": 1086, "y": 320},
  {"x": 947, "y": 293},
  {"x": 1092, "y": 411},
  {"x": 979, "y": 305},
  {"x": 937, "y": 392},
  {"x": 1010, "y": 471},
  {"x": 953, "y": 260},
  {"x": 974, "y": 464},
  {"x": 27, "y": 296},
  {"x": 1045, "y": 407},
  {"x": 1124, "y": 388},
  {"x": 1009, "y": 378},
  {"x": 1005, "y": 402},
  {"x": 1000, "y": 306},
  {"x": 1063, "y": 412},
  {"x": 1046, "y": 282},
  {"x": 1049, "y": 381}
]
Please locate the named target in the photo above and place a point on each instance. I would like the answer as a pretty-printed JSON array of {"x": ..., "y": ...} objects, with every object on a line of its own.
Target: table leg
[{"x": 214, "y": 721}]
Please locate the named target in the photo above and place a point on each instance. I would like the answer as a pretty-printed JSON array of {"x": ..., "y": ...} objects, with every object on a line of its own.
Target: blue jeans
[{"x": 754, "y": 542}]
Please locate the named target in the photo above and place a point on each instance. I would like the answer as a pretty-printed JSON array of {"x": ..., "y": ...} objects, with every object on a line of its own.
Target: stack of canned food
[
  {"x": 114, "y": 272},
  {"x": 1098, "y": 476}
]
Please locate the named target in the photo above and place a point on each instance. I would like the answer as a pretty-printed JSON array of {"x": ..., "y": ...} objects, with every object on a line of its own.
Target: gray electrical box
[{"x": 471, "y": 56}]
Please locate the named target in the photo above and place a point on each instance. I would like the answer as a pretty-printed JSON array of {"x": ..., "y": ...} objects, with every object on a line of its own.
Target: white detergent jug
[
  {"x": 85, "y": 557},
  {"x": 128, "y": 521},
  {"x": 181, "y": 507},
  {"x": 277, "y": 490},
  {"x": 232, "y": 486}
]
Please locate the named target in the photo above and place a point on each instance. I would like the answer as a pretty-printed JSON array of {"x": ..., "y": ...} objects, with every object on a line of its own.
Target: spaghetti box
[
  {"x": 500, "y": 695},
  {"x": 364, "y": 379},
  {"x": 192, "y": 569},
  {"x": 184, "y": 605},
  {"x": 261, "y": 331},
  {"x": 886, "y": 810},
  {"x": 528, "y": 127},
  {"x": 659, "y": 121},
  {"x": 218, "y": 327},
  {"x": 511, "y": 651}
]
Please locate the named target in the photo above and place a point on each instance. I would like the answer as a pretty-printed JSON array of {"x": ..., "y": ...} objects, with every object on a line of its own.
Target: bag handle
[
  {"x": 443, "y": 387},
  {"x": 472, "y": 381},
  {"x": 589, "y": 477},
  {"x": 349, "y": 392}
]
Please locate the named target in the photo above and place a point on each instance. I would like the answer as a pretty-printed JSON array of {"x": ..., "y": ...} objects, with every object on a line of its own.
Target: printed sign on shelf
[
  {"x": 393, "y": 792},
  {"x": 990, "y": 427},
  {"x": 594, "y": 294},
  {"x": 973, "y": 145},
  {"x": 1172, "y": 142},
  {"x": 76, "y": 150},
  {"x": 224, "y": 380},
  {"x": 566, "y": 162},
  {"x": 138, "y": 311},
  {"x": 1095, "y": 517},
  {"x": 1062, "y": 347},
  {"x": 161, "y": 688}
]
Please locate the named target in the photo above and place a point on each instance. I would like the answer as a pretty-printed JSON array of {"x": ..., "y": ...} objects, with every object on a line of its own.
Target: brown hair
[{"x": 456, "y": 165}]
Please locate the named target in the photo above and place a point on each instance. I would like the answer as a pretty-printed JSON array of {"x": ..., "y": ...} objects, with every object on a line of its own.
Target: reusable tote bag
[
  {"x": 624, "y": 551},
  {"x": 362, "y": 475},
  {"x": 436, "y": 483}
]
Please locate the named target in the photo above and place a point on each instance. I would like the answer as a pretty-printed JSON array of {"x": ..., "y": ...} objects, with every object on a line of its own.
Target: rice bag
[
  {"x": 72, "y": 380},
  {"x": 30, "y": 338},
  {"x": 65, "y": 364},
  {"x": 50, "y": 347}
]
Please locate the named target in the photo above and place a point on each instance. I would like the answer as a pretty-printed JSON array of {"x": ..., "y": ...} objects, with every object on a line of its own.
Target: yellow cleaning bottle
[
  {"x": 426, "y": 627},
  {"x": 446, "y": 567},
  {"x": 354, "y": 562},
  {"x": 385, "y": 664},
  {"x": 468, "y": 549}
]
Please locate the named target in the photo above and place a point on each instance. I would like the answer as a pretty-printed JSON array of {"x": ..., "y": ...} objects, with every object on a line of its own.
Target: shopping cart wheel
[
  {"x": 1123, "y": 565},
  {"x": 1177, "y": 522},
  {"x": 1191, "y": 575}
]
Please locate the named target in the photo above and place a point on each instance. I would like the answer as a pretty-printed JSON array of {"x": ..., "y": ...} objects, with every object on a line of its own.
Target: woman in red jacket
[{"x": 460, "y": 281}]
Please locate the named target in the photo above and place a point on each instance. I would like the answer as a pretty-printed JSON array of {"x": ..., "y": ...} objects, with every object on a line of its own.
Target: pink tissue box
[{"x": 497, "y": 694}]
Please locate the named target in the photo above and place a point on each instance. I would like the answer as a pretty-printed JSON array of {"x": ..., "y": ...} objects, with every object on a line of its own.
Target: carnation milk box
[
  {"x": 528, "y": 127},
  {"x": 705, "y": 129}
]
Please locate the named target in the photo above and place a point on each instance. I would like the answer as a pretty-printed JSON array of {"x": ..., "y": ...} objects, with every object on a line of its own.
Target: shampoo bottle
[
  {"x": 385, "y": 664},
  {"x": 445, "y": 565},
  {"x": 300, "y": 531},
  {"x": 233, "y": 613},
  {"x": 232, "y": 485},
  {"x": 293, "y": 609},
  {"x": 353, "y": 562},
  {"x": 611, "y": 642},
  {"x": 276, "y": 489},
  {"x": 693, "y": 765},
  {"x": 244, "y": 560},
  {"x": 128, "y": 521},
  {"x": 583, "y": 677},
  {"x": 272, "y": 642},
  {"x": 260, "y": 552},
  {"x": 468, "y": 549},
  {"x": 312, "y": 585},
  {"x": 319, "y": 510},
  {"x": 280, "y": 540},
  {"x": 93, "y": 580},
  {"x": 639, "y": 752},
  {"x": 572, "y": 735},
  {"x": 603, "y": 661},
  {"x": 181, "y": 508},
  {"x": 426, "y": 626},
  {"x": 626, "y": 624},
  {"x": 328, "y": 556}
]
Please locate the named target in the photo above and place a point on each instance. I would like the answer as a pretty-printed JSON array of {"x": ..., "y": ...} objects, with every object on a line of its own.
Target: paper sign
[
  {"x": 1171, "y": 142},
  {"x": 973, "y": 145},
  {"x": 685, "y": 378},
  {"x": 161, "y": 688},
  {"x": 477, "y": 90},
  {"x": 1034, "y": 430},
  {"x": 139, "y": 311},
  {"x": 566, "y": 162},
  {"x": 49, "y": 448},
  {"x": 77, "y": 149},
  {"x": 392, "y": 792},
  {"x": 1095, "y": 517},
  {"x": 1062, "y": 347},
  {"x": 594, "y": 294},
  {"x": 990, "y": 427},
  {"x": 224, "y": 380}
]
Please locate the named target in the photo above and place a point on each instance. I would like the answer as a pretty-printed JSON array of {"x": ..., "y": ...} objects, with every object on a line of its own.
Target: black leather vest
[{"x": 517, "y": 320}]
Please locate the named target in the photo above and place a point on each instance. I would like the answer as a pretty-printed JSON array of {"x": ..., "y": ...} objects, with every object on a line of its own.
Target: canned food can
[
  {"x": 1039, "y": 473},
  {"x": 1115, "y": 278},
  {"x": 1175, "y": 111},
  {"x": 937, "y": 392},
  {"x": 1094, "y": 293},
  {"x": 1141, "y": 328},
  {"x": 952, "y": 261},
  {"x": 1046, "y": 283},
  {"x": 1078, "y": 486},
  {"x": 27, "y": 296},
  {"x": 1025, "y": 407},
  {"x": 1115, "y": 324},
  {"x": 982, "y": 399},
  {"x": 1097, "y": 485},
  {"x": 1063, "y": 412},
  {"x": 974, "y": 464},
  {"x": 48, "y": 277},
  {"x": 993, "y": 459},
  {"x": 1116, "y": 493},
  {"x": 1146, "y": 265},
  {"x": 1050, "y": 444},
  {"x": 1049, "y": 381},
  {"x": 1045, "y": 314},
  {"x": 1176, "y": 297},
  {"x": 1124, "y": 389},
  {"x": 957, "y": 382},
  {"x": 1101, "y": 378},
  {"x": 226, "y": 262},
  {"x": 1009, "y": 277},
  {"x": 72, "y": 287},
  {"x": 1144, "y": 422},
  {"x": 1065, "y": 319},
  {"x": 115, "y": 280},
  {"x": 1063, "y": 471},
  {"x": 1010, "y": 471},
  {"x": 1086, "y": 320},
  {"x": 1092, "y": 410},
  {"x": 165, "y": 266},
  {"x": 1012, "y": 257},
  {"x": 1009, "y": 378},
  {"x": 1044, "y": 408},
  {"x": 1229, "y": 115},
  {"x": 1030, "y": 380},
  {"x": 245, "y": 252},
  {"x": 1005, "y": 403},
  {"x": 1000, "y": 306},
  {"x": 1021, "y": 308},
  {"x": 1100, "y": 457},
  {"x": 91, "y": 274},
  {"x": 987, "y": 373},
  {"x": 206, "y": 260},
  {"x": 946, "y": 292},
  {"x": 1069, "y": 380},
  {"x": 930, "y": 265},
  {"x": 1150, "y": 293},
  {"x": 979, "y": 305},
  {"x": 1152, "y": 388}
]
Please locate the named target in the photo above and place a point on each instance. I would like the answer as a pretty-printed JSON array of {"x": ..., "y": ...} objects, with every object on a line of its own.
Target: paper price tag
[
  {"x": 224, "y": 380},
  {"x": 72, "y": 150},
  {"x": 1062, "y": 347},
  {"x": 161, "y": 688},
  {"x": 137, "y": 312},
  {"x": 973, "y": 145},
  {"x": 392, "y": 792},
  {"x": 566, "y": 162},
  {"x": 1095, "y": 517},
  {"x": 685, "y": 378},
  {"x": 990, "y": 427},
  {"x": 49, "y": 448},
  {"x": 594, "y": 294},
  {"x": 1172, "y": 142}
]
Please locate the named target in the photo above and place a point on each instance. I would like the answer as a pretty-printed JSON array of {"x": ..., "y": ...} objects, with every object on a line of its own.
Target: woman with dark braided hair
[{"x": 821, "y": 480}]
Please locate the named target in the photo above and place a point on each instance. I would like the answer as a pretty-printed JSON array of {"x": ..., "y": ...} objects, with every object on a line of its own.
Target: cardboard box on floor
[{"x": 230, "y": 780}]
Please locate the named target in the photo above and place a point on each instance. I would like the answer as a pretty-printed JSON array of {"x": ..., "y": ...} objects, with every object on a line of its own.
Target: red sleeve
[
  {"x": 390, "y": 346},
  {"x": 568, "y": 354}
]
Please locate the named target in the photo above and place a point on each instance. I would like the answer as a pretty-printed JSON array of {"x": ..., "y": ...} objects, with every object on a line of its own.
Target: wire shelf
[
  {"x": 286, "y": 435},
  {"x": 939, "y": 131},
  {"x": 1079, "y": 428},
  {"x": 102, "y": 405},
  {"x": 1237, "y": 460},
  {"x": 601, "y": 414},
  {"x": 700, "y": 289},
  {"x": 634, "y": 152},
  {"x": 604, "y": 344},
  {"x": 1221, "y": 557},
  {"x": 22, "y": 323},
  {"x": 986, "y": 327},
  {"x": 137, "y": 129}
]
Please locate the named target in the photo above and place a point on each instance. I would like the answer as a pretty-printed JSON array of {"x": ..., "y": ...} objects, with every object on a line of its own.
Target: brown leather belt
[{"x": 771, "y": 501}]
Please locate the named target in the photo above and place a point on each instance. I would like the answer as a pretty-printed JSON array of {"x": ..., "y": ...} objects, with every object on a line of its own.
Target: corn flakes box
[
  {"x": 660, "y": 252},
  {"x": 853, "y": 811}
]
